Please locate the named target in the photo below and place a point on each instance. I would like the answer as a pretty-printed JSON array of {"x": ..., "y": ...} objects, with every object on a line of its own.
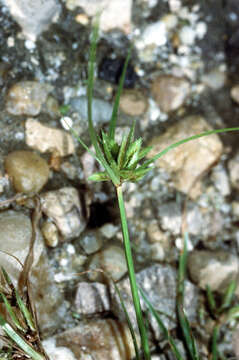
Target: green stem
[{"x": 132, "y": 277}]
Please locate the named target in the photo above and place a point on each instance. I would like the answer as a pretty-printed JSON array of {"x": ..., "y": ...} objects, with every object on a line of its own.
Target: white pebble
[
  {"x": 155, "y": 34},
  {"x": 187, "y": 35},
  {"x": 201, "y": 29},
  {"x": 30, "y": 45},
  {"x": 66, "y": 122}
]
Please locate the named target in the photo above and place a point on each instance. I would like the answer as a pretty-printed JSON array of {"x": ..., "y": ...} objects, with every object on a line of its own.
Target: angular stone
[
  {"x": 91, "y": 298},
  {"x": 16, "y": 232},
  {"x": 27, "y": 97},
  {"x": 216, "y": 269},
  {"x": 63, "y": 206},
  {"x": 109, "y": 11},
  {"x": 187, "y": 162},
  {"x": 170, "y": 92},
  {"x": 46, "y": 139},
  {"x": 98, "y": 339},
  {"x": 28, "y": 171}
]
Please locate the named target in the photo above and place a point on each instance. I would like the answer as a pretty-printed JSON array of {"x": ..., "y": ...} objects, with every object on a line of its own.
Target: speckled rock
[
  {"x": 186, "y": 162},
  {"x": 111, "y": 260},
  {"x": 50, "y": 307},
  {"x": 50, "y": 233},
  {"x": 99, "y": 339},
  {"x": 33, "y": 16},
  {"x": 27, "y": 97},
  {"x": 133, "y": 102},
  {"x": 16, "y": 231},
  {"x": 216, "y": 269},
  {"x": 57, "y": 352},
  {"x": 63, "y": 206},
  {"x": 91, "y": 298},
  {"x": 109, "y": 10},
  {"x": 159, "y": 284},
  {"x": 91, "y": 241},
  {"x": 28, "y": 171},
  {"x": 46, "y": 139},
  {"x": 170, "y": 92}
]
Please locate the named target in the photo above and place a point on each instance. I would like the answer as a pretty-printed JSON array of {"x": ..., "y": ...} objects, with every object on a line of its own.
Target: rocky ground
[{"x": 183, "y": 79}]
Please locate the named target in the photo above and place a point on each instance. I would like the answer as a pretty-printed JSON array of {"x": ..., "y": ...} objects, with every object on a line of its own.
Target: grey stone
[
  {"x": 216, "y": 269},
  {"x": 33, "y": 16},
  {"x": 91, "y": 242},
  {"x": 159, "y": 284},
  {"x": 91, "y": 298}
]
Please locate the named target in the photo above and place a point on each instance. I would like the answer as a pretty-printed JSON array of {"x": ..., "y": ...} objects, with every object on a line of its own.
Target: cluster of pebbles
[{"x": 175, "y": 88}]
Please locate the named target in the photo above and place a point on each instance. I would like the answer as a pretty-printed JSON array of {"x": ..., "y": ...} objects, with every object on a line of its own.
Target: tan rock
[
  {"x": 170, "y": 92},
  {"x": 27, "y": 97},
  {"x": 235, "y": 93},
  {"x": 187, "y": 162},
  {"x": 28, "y": 171},
  {"x": 133, "y": 103},
  {"x": 46, "y": 139},
  {"x": 100, "y": 339}
]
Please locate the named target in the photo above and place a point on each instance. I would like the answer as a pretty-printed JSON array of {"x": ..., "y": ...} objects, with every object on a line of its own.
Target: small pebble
[{"x": 28, "y": 171}]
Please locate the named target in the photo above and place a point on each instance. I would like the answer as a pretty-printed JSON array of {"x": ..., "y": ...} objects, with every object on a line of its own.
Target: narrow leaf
[
  {"x": 144, "y": 152},
  {"x": 117, "y": 98},
  {"x": 12, "y": 313},
  {"x": 181, "y": 142},
  {"x": 230, "y": 292},
  {"x": 211, "y": 300},
  {"x": 214, "y": 343},
  {"x": 122, "y": 152},
  {"x": 99, "y": 176},
  {"x": 19, "y": 341},
  {"x": 132, "y": 153},
  {"x": 25, "y": 312}
]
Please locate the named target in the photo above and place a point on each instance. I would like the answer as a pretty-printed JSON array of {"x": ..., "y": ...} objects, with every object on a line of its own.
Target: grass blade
[
  {"x": 183, "y": 141},
  {"x": 19, "y": 341},
  {"x": 211, "y": 300},
  {"x": 226, "y": 302},
  {"x": 117, "y": 98},
  {"x": 25, "y": 311},
  {"x": 214, "y": 343},
  {"x": 131, "y": 329},
  {"x": 162, "y": 326},
  {"x": 12, "y": 313}
]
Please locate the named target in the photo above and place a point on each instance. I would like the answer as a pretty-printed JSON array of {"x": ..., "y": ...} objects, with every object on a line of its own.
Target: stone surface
[
  {"x": 63, "y": 206},
  {"x": 215, "y": 269},
  {"x": 188, "y": 161},
  {"x": 33, "y": 16},
  {"x": 46, "y": 139},
  {"x": 233, "y": 167},
  {"x": 98, "y": 339},
  {"x": 48, "y": 299},
  {"x": 91, "y": 241},
  {"x": 57, "y": 352},
  {"x": 109, "y": 10},
  {"x": 91, "y": 298},
  {"x": 159, "y": 284},
  {"x": 133, "y": 103},
  {"x": 50, "y": 233},
  {"x": 28, "y": 171},
  {"x": 16, "y": 232},
  {"x": 111, "y": 260},
  {"x": 170, "y": 92},
  {"x": 27, "y": 97}
]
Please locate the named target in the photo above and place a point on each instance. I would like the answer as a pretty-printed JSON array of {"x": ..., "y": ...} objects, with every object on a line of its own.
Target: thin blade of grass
[
  {"x": 161, "y": 326},
  {"x": 131, "y": 329},
  {"x": 214, "y": 343},
  {"x": 12, "y": 313},
  {"x": 227, "y": 299},
  {"x": 211, "y": 300},
  {"x": 19, "y": 341},
  {"x": 25, "y": 312},
  {"x": 117, "y": 98},
  {"x": 91, "y": 69},
  {"x": 122, "y": 152},
  {"x": 183, "y": 141}
]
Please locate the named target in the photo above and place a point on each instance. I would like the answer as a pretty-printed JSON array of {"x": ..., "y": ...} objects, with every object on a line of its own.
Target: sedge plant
[{"x": 124, "y": 162}]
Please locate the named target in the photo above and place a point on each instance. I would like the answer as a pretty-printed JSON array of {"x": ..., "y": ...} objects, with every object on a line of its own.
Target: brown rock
[
  {"x": 28, "y": 171},
  {"x": 133, "y": 103},
  {"x": 101, "y": 339},
  {"x": 170, "y": 92},
  {"x": 186, "y": 162}
]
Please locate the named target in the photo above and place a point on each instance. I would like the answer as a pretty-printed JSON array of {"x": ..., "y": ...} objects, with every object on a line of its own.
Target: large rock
[
  {"x": 33, "y": 16},
  {"x": 109, "y": 12},
  {"x": 216, "y": 269},
  {"x": 187, "y": 162},
  {"x": 16, "y": 232},
  {"x": 27, "y": 170},
  {"x": 98, "y": 339}
]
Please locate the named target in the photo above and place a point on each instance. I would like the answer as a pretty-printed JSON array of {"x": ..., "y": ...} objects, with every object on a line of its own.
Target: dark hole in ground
[{"x": 102, "y": 213}]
